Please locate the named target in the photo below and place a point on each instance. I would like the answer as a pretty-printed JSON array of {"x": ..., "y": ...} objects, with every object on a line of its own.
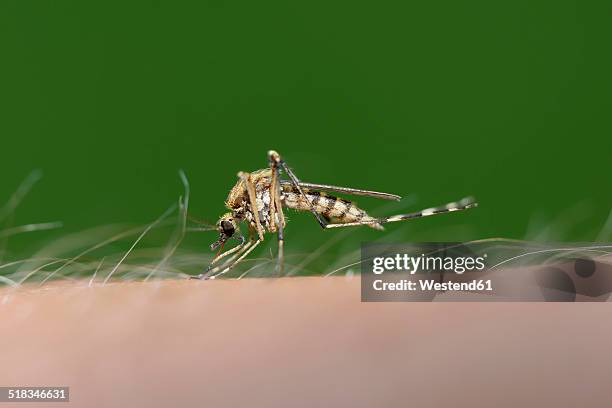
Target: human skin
[{"x": 297, "y": 342}]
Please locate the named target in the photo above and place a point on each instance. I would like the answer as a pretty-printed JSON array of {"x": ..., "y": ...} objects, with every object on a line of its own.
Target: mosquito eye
[{"x": 228, "y": 227}]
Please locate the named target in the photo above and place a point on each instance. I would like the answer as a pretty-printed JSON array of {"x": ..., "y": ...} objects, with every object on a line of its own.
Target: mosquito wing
[{"x": 346, "y": 190}]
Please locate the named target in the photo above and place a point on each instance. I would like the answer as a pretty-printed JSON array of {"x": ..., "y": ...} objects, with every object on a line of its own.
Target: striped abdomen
[{"x": 335, "y": 209}]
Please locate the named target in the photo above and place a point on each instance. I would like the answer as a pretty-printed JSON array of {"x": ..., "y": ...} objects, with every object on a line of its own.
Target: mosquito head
[{"x": 226, "y": 227}]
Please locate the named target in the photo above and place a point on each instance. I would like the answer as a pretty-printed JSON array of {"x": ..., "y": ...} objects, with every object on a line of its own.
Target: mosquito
[{"x": 259, "y": 199}]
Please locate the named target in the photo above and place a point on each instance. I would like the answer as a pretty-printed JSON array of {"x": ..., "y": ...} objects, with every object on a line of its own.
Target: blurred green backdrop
[{"x": 509, "y": 102}]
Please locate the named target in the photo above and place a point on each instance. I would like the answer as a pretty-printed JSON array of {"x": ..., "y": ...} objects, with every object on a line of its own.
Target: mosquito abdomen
[{"x": 336, "y": 209}]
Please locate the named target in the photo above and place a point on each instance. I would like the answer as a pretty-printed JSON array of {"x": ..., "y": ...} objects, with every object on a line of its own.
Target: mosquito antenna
[{"x": 201, "y": 229}]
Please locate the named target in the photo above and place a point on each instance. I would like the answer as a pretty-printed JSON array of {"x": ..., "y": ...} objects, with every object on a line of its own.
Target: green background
[{"x": 506, "y": 101}]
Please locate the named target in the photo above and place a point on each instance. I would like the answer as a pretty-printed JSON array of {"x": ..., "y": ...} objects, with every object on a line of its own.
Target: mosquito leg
[
  {"x": 237, "y": 261},
  {"x": 236, "y": 251},
  {"x": 276, "y": 207},
  {"x": 273, "y": 182},
  {"x": 275, "y": 157},
  {"x": 228, "y": 252},
  {"x": 464, "y": 204},
  {"x": 211, "y": 271},
  {"x": 238, "y": 248},
  {"x": 280, "y": 264},
  {"x": 228, "y": 262},
  {"x": 246, "y": 178}
]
